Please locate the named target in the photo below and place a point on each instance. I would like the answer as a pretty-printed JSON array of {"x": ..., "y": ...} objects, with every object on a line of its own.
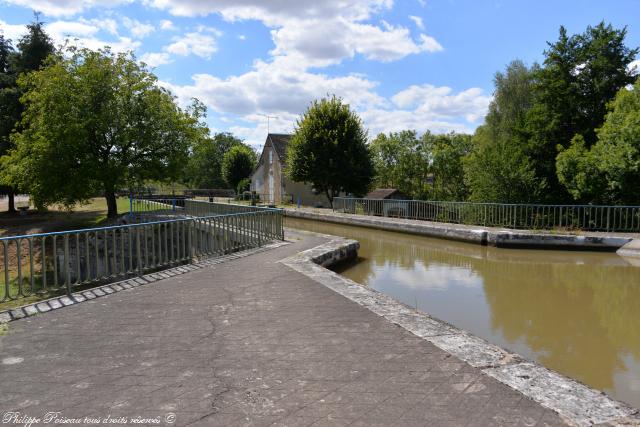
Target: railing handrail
[
  {"x": 490, "y": 203},
  {"x": 112, "y": 227}
]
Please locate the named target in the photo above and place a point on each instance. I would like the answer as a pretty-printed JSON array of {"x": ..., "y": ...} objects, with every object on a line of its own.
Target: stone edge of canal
[
  {"x": 577, "y": 403},
  {"x": 625, "y": 245}
]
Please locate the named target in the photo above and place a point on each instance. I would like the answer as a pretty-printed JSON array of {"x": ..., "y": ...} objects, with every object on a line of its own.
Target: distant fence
[
  {"x": 38, "y": 265},
  {"x": 517, "y": 216}
]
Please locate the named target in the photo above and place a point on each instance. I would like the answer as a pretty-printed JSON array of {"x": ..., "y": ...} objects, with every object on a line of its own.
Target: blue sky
[{"x": 410, "y": 64}]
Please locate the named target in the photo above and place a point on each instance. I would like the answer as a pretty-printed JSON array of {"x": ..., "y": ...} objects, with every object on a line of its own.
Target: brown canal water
[{"x": 575, "y": 312}]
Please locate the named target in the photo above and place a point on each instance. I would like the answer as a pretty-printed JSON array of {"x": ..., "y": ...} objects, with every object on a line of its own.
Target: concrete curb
[
  {"x": 631, "y": 249},
  {"x": 81, "y": 296},
  {"x": 478, "y": 235},
  {"x": 574, "y": 402}
]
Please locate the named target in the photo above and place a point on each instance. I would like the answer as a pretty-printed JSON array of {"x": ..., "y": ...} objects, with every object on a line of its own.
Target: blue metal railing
[
  {"x": 47, "y": 263},
  {"x": 517, "y": 216}
]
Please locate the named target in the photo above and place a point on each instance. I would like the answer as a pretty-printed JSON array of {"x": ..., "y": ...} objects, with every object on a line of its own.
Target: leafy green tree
[
  {"x": 580, "y": 75},
  {"x": 399, "y": 162},
  {"x": 329, "y": 150},
  {"x": 204, "y": 168},
  {"x": 95, "y": 122},
  {"x": 447, "y": 152},
  {"x": 237, "y": 164},
  {"x": 33, "y": 49},
  {"x": 498, "y": 169},
  {"x": 608, "y": 172}
]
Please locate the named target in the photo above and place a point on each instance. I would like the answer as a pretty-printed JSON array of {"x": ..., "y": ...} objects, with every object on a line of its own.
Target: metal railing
[
  {"x": 517, "y": 216},
  {"x": 40, "y": 265}
]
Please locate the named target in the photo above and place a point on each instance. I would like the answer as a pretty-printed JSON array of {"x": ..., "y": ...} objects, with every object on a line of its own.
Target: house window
[{"x": 270, "y": 156}]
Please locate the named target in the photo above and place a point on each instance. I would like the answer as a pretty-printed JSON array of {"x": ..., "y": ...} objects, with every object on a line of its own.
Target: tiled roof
[
  {"x": 280, "y": 142},
  {"x": 381, "y": 193}
]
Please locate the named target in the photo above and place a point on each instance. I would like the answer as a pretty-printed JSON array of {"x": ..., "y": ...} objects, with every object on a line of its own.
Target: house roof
[
  {"x": 280, "y": 141},
  {"x": 382, "y": 193}
]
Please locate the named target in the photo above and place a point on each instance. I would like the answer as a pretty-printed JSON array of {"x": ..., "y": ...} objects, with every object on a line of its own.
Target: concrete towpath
[{"x": 244, "y": 342}]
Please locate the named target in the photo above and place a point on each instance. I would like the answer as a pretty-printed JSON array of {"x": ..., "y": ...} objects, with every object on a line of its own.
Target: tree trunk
[
  {"x": 12, "y": 201},
  {"x": 112, "y": 205},
  {"x": 329, "y": 194}
]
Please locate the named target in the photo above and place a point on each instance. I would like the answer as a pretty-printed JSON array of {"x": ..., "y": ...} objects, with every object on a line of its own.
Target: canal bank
[
  {"x": 572, "y": 312},
  {"x": 501, "y": 238},
  {"x": 576, "y": 403}
]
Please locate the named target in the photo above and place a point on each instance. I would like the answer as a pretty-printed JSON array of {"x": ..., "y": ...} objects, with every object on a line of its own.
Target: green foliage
[
  {"x": 447, "y": 152},
  {"x": 329, "y": 150},
  {"x": 204, "y": 168},
  {"x": 429, "y": 167},
  {"x": 243, "y": 185},
  {"x": 580, "y": 75},
  {"x": 608, "y": 172},
  {"x": 33, "y": 49},
  {"x": 400, "y": 162},
  {"x": 498, "y": 170},
  {"x": 96, "y": 121},
  {"x": 237, "y": 164}
]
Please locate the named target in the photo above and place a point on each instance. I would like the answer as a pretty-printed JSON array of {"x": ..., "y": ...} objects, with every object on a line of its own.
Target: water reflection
[{"x": 575, "y": 312}]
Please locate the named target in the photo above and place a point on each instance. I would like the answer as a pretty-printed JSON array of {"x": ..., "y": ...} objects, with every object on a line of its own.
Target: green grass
[{"x": 4, "y": 327}]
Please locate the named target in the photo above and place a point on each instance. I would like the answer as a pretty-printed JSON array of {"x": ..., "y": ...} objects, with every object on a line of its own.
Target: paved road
[{"x": 245, "y": 342}]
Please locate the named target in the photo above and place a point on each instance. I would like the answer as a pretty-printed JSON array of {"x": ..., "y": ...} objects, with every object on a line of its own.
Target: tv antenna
[{"x": 268, "y": 118}]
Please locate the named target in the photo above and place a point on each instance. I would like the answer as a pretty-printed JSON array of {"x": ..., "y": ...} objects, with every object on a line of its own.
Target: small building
[
  {"x": 377, "y": 203},
  {"x": 269, "y": 181}
]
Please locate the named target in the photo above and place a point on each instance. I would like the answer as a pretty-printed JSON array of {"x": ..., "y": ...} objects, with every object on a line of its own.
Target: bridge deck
[{"x": 245, "y": 342}]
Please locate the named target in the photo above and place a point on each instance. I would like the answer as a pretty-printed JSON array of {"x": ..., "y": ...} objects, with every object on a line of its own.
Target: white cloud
[
  {"x": 273, "y": 12},
  {"x": 316, "y": 33},
  {"x": 65, "y": 7},
  {"x": 167, "y": 25},
  {"x": 154, "y": 59},
  {"x": 11, "y": 31},
  {"x": 436, "y": 103},
  {"x": 418, "y": 21},
  {"x": 138, "y": 29},
  {"x": 309, "y": 42},
  {"x": 84, "y": 33},
  {"x": 634, "y": 67},
  {"x": 201, "y": 43}
]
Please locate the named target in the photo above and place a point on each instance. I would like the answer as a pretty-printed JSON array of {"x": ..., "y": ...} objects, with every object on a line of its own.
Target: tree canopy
[
  {"x": 329, "y": 150},
  {"x": 204, "y": 167},
  {"x": 426, "y": 167},
  {"x": 540, "y": 110},
  {"x": 95, "y": 122},
  {"x": 33, "y": 49},
  {"x": 609, "y": 171},
  {"x": 498, "y": 169},
  {"x": 579, "y": 76},
  {"x": 237, "y": 164}
]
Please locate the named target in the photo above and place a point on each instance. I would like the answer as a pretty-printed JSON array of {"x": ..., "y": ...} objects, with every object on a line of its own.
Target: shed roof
[{"x": 382, "y": 193}]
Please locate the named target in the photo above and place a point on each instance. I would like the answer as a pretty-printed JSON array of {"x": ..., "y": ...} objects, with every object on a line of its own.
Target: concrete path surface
[{"x": 245, "y": 342}]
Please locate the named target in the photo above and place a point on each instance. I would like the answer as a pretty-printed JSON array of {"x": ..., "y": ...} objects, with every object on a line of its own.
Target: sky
[{"x": 426, "y": 65}]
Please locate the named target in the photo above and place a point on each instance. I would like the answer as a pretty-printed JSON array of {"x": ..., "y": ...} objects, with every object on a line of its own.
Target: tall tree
[
  {"x": 400, "y": 162},
  {"x": 237, "y": 164},
  {"x": 498, "y": 169},
  {"x": 95, "y": 122},
  {"x": 447, "y": 152},
  {"x": 204, "y": 168},
  {"x": 609, "y": 171},
  {"x": 33, "y": 50},
  {"x": 580, "y": 75},
  {"x": 329, "y": 150}
]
